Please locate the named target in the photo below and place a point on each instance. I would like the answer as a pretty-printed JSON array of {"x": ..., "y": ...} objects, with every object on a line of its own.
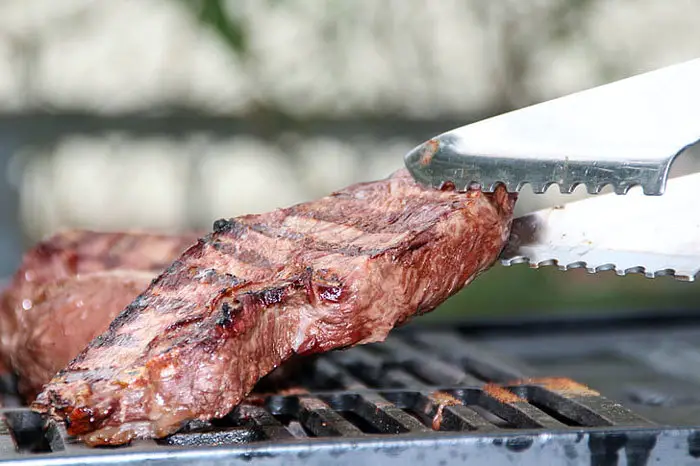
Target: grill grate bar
[
  {"x": 398, "y": 378},
  {"x": 430, "y": 368},
  {"x": 448, "y": 413},
  {"x": 59, "y": 440},
  {"x": 475, "y": 359},
  {"x": 227, "y": 436},
  {"x": 374, "y": 370},
  {"x": 612, "y": 412},
  {"x": 383, "y": 416},
  {"x": 8, "y": 446},
  {"x": 372, "y": 407},
  {"x": 375, "y": 402},
  {"x": 362, "y": 364},
  {"x": 581, "y": 403},
  {"x": 330, "y": 373},
  {"x": 24, "y": 425},
  {"x": 322, "y": 421},
  {"x": 515, "y": 410},
  {"x": 568, "y": 407},
  {"x": 270, "y": 427}
]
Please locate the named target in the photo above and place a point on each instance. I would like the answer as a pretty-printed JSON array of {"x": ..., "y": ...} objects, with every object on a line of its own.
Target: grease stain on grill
[
  {"x": 502, "y": 394},
  {"x": 519, "y": 444},
  {"x": 570, "y": 452},
  {"x": 694, "y": 444},
  {"x": 443, "y": 399},
  {"x": 605, "y": 448},
  {"x": 255, "y": 455}
]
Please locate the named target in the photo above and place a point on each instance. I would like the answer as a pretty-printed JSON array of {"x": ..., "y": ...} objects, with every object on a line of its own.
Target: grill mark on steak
[
  {"x": 318, "y": 245},
  {"x": 254, "y": 258},
  {"x": 238, "y": 245},
  {"x": 322, "y": 292},
  {"x": 107, "y": 340},
  {"x": 130, "y": 312},
  {"x": 171, "y": 329},
  {"x": 236, "y": 316},
  {"x": 180, "y": 276}
]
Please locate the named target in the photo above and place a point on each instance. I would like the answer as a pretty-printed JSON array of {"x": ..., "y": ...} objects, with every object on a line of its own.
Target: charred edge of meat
[
  {"x": 107, "y": 340},
  {"x": 81, "y": 420},
  {"x": 58, "y": 404},
  {"x": 228, "y": 226},
  {"x": 229, "y": 311},
  {"x": 127, "y": 315},
  {"x": 172, "y": 328},
  {"x": 230, "y": 307},
  {"x": 130, "y": 312},
  {"x": 170, "y": 278}
]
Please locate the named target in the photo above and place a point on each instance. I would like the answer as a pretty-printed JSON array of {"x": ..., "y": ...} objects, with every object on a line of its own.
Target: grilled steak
[
  {"x": 67, "y": 291},
  {"x": 328, "y": 274}
]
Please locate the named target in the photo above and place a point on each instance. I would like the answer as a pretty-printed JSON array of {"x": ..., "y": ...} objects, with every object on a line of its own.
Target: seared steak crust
[
  {"x": 68, "y": 289},
  {"x": 336, "y": 272}
]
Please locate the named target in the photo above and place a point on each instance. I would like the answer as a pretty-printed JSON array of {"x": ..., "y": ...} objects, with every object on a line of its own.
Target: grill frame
[{"x": 558, "y": 421}]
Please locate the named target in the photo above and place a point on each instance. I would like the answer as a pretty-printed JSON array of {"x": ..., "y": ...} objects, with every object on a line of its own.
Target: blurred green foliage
[
  {"x": 213, "y": 14},
  {"x": 503, "y": 291}
]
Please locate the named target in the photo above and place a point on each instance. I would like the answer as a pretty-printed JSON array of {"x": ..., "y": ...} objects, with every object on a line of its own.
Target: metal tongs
[{"x": 623, "y": 134}]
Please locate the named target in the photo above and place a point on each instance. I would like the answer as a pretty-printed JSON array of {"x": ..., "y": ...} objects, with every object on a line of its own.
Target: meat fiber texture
[
  {"x": 339, "y": 271},
  {"x": 67, "y": 291}
]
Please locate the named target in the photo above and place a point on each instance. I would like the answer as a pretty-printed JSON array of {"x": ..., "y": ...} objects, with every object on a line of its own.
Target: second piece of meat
[{"x": 68, "y": 289}]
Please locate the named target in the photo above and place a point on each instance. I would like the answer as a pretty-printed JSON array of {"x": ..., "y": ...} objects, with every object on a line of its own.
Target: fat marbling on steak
[
  {"x": 68, "y": 289},
  {"x": 339, "y": 271}
]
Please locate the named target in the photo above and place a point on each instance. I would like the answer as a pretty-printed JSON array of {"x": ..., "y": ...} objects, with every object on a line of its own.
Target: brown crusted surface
[
  {"x": 68, "y": 289},
  {"x": 561, "y": 385},
  {"x": 442, "y": 399},
  {"x": 339, "y": 271},
  {"x": 501, "y": 394},
  {"x": 429, "y": 151}
]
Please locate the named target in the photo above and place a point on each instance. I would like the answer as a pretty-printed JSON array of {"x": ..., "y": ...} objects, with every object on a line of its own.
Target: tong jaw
[
  {"x": 655, "y": 236},
  {"x": 622, "y": 134},
  {"x": 439, "y": 161},
  {"x": 685, "y": 275}
]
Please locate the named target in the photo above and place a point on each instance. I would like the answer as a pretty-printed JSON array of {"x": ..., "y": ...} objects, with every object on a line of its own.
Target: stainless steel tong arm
[{"x": 625, "y": 133}]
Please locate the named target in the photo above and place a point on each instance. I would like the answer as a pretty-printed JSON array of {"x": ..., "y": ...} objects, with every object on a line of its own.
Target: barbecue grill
[{"x": 592, "y": 390}]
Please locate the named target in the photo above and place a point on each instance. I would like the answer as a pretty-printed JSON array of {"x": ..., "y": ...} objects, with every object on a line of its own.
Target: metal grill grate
[{"x": 425, "y": 394}]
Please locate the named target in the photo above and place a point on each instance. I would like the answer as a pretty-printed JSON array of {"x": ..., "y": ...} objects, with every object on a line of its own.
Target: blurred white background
[{"x": 168, "y": 114}]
